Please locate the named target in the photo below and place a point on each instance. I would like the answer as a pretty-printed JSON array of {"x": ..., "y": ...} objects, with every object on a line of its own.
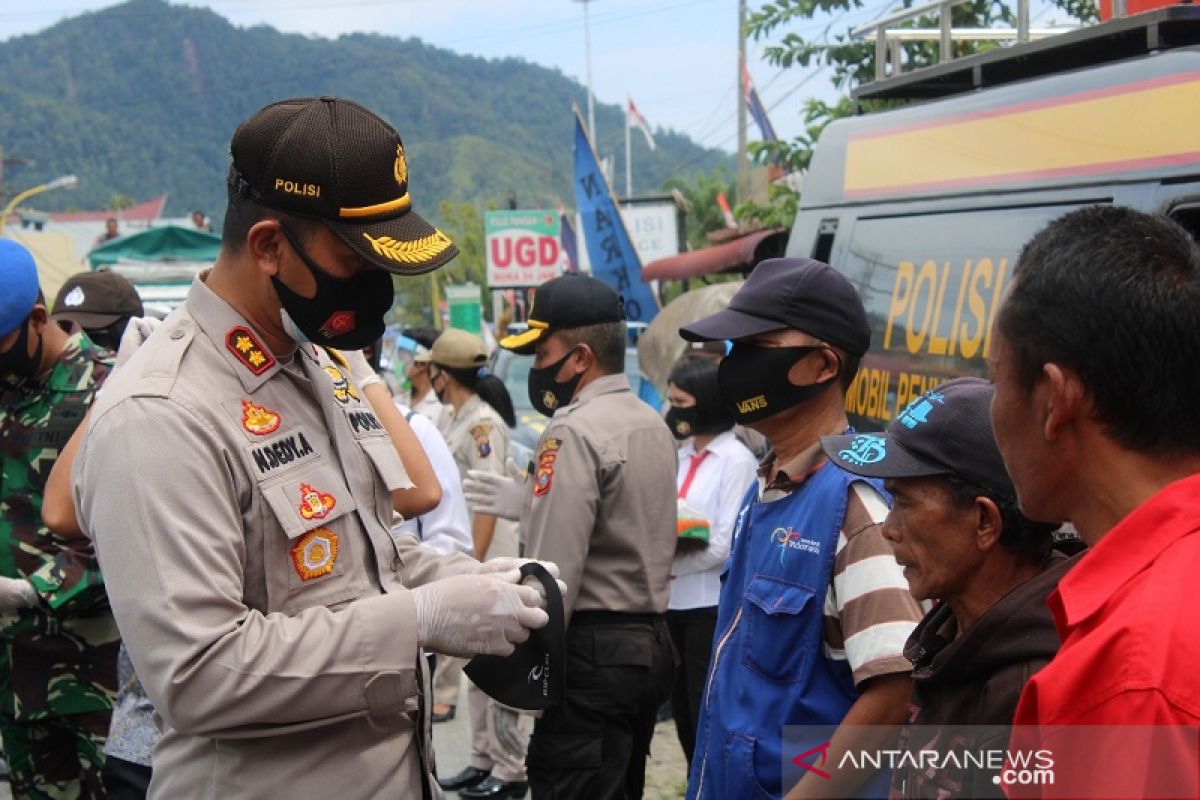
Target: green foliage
[
  {"x": 142, "y": 98},
  {"x": 779, "y": 211},
  {"x": 700, "y": 191},
  {"x": 118, "y": 202}
]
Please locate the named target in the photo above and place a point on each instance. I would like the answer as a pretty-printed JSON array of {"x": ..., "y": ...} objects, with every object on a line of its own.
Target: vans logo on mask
[{"x": 753, "y": 404}]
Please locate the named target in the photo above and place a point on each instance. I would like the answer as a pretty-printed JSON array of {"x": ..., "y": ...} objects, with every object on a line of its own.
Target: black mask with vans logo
[
  {"x": 548, "y": 395},
  {"x": 754, "y": 380},
  {"x": 346, "y": 313},
  {"x": 531, "y": 677}
]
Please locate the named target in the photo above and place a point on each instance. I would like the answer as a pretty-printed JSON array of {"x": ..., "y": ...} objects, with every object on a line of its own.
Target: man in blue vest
[{"x": 814, "y": 610}]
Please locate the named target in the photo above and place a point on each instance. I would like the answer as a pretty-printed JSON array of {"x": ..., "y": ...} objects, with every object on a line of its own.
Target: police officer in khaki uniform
[
  {"x": 601, "y": 504},
  {"x": 239, "y": 489},
  {"x": 476, "y": 425}
]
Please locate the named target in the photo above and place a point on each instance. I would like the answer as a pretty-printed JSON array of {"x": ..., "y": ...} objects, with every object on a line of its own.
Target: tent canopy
[{"x": 158, "y": 244}]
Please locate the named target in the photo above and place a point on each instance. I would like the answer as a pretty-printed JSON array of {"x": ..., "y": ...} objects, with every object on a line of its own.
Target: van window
[
  {"x": 1189, "y": 218},
  {"x": 824, "y": 244},
  {"x": 931, "y": 284}
]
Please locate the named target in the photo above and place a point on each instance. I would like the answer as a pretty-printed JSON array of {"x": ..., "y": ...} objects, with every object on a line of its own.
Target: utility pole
[
  {"x": 587, "y": 55},
  {"x": 743, "y": 165}
]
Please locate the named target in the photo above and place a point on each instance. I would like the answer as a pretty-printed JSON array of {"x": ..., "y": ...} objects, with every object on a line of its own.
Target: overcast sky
[{"x": 676, "y": 58}]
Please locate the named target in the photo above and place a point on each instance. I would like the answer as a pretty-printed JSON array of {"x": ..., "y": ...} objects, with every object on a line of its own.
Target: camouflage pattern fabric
[
  {"x": 56, "y": 757},
  {"x": 57, "y": 660}
]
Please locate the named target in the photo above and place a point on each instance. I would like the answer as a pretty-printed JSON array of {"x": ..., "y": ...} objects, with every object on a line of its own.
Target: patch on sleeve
[
  {"x": 543, "y": 478},
  {"x": 482, "y": 435},
  {"x": 259, "y": 420},
  {"x": 247, "y": 349},
  {"x": 343, "y": 389},
  {"x": 315, "y": 553}
]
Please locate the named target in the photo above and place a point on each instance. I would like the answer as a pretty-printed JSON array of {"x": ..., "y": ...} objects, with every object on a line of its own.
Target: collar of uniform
[
  {"x": 790, "y": 476},
  {"x": 217, "y": 320},
  {"x": 467, "y": 409},
  {"x": 1128, "y": 549},
  {"x": 608, "y": 384},
  {"x": 716, "y": 446}
]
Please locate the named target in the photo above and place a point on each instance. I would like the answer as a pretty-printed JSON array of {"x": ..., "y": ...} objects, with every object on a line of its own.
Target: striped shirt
[{"x": 869, "y": 611}]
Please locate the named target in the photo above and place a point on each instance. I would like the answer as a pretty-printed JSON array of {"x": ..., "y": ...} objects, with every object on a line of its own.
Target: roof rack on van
[{"x": 1115, "y": 40}]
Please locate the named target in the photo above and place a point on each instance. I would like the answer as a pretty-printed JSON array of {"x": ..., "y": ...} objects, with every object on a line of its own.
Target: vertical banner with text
[{"x": 610, "y": 250}]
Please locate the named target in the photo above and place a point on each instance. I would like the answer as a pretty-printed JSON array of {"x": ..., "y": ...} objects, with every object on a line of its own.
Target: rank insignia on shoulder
[
  {"x": 543, "y": 478},
  {"x": 314, "y": 554},
  {"x": 343, "y": 389},
  {"x": 247, "y": 349},
  {"x": 314, "y": 504},
  {"x": 482, "y": 436},
  {"x": 259, "y": 420}
]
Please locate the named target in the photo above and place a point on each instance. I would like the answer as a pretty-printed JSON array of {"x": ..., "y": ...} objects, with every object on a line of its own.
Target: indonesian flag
[{"x": 634, "y": 118}]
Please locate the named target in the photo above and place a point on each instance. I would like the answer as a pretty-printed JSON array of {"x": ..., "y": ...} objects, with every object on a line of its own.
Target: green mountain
[{"x": 142, "y": 98}]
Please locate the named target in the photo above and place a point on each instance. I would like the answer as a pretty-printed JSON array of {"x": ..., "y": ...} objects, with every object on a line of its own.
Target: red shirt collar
[{"x": 1130, "y": 547}]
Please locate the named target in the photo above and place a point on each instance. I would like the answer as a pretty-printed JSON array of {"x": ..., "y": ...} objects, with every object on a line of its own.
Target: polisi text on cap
[{"x": 298, "y": 188}]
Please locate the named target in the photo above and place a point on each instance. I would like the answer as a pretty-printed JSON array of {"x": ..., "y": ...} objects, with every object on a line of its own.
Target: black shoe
[
  {"x": 494, "y": 788},
  {"x": 465, "y": 779},
  {"x": 447, "y": 716}
]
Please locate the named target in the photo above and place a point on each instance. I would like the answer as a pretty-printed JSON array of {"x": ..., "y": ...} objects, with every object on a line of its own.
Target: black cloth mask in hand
[
  {"x": 346, "y": 313},
  {"x": 16, "y": 365},
  {"x": 754, "y": 380},
  {"x": 531, "y": 677},
  {"x": 546, "y": 394}
]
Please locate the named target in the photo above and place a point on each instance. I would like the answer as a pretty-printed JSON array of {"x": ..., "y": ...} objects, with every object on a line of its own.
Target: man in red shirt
[{"x": 1097, "y": 371}]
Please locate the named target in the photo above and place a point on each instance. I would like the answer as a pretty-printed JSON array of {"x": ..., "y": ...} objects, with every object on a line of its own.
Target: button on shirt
[
  {"x": 717, "y": 487},
  {"x": 1127, "y": 617},
  {"x": 240, "y": 508}
]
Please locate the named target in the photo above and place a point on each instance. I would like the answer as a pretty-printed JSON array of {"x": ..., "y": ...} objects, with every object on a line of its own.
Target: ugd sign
[{"x": 523, "y": 248}]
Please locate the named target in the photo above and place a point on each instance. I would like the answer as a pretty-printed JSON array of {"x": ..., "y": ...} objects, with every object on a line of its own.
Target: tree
[
  {"x": 853, "y": 63},
  {"x": 704, "y": 213}
]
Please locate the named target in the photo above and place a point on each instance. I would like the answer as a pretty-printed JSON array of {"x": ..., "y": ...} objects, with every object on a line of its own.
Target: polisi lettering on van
[
  {"x": 918, "y": 303},
  {"x": 281, "y": 452}
]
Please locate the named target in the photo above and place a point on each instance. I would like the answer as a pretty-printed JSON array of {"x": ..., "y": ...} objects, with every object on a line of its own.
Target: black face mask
[
  {"x": 16, "y": 365},
  {"x": 755, "y": 381},
  {"x": 440, "y": 394},
  {"x": 346, "y": 313},
  {"x": 545, "y": 393},
  {"x": 532, "y": 676}
]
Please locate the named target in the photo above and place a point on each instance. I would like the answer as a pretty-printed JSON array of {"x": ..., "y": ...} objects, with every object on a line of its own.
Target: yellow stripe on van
[{"x": 1112, "y": 130}]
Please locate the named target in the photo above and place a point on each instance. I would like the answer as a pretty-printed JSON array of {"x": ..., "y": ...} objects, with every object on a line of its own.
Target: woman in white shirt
[{"x": 715, "y": 471}]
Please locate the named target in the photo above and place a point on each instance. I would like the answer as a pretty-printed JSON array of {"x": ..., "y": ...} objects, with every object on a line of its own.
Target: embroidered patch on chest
[
  {"x": 315, "y": 553},
  {"x": 315, "y": 504},
  {"x": 259, "y": 420}
]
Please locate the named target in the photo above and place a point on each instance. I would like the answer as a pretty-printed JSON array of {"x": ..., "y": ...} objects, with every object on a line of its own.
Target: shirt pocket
[
  {"x": 316, "y": 550},
  {"x": 779, "y": 643}
]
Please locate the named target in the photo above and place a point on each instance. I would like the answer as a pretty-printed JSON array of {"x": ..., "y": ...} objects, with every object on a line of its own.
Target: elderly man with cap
[
  {"x": 958, "y": 534},
  {"x": 601, "y": 505},
  {"x": 59, "y": 655},
  {"x": 239, "y": 487},
  {"x": 102, "y": 303},
  {"x": 814, "y": 611}
]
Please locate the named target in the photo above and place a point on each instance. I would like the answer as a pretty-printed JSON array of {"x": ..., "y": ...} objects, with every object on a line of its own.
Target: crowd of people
[{"x": 232, "y": 560}]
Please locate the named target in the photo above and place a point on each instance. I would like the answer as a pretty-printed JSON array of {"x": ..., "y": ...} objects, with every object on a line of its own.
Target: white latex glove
[
  {"x": 507, "y": 563},
  {"x": 136, "y": 333},
  {"x": 16, "y": 593},
  {"x": 498, "y": 495},
  {"x": 361, "y": 373},
  {"x": 510, "y": 733},
  {"x": 469, "y": 615}
]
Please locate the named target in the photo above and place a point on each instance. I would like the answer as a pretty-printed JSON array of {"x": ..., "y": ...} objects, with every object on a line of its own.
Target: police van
[{"x": 925, "y": 207}]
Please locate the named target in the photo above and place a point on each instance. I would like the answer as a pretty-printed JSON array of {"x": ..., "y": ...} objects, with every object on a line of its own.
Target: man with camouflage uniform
[{"x": 58, "y": 639}]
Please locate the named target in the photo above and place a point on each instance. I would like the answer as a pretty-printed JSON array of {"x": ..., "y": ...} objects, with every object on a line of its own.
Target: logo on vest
[{"x": 788, "y": 539}]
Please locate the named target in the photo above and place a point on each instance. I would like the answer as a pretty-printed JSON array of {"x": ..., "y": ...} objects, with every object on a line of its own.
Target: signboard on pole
[
  {"x": 653, "y": 227},
  {"x": 523, "y": 248},
  {"x": 465, "y": 309}
]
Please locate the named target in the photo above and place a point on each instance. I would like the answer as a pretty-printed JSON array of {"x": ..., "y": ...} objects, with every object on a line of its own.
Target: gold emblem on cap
[
  {"x": 400, "y": 169},
  {"x": 415, "y": 252}
]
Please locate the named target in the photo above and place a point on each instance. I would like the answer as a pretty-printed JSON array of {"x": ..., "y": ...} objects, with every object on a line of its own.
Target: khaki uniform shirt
[
  {"x": 240, "y": 510},
  {"x": 478, "y": 439},
  {"x": 602, "y": 500}
]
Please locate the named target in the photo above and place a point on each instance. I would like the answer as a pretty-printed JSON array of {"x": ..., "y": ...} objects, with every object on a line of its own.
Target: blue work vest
[{"x": 769, "y": 667}]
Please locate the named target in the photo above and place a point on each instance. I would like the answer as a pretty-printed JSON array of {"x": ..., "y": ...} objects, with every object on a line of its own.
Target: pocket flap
[
  {"x": 308, "y": 498},
  {"x": 774, "y": 596},
  {"x": 387, "y": 462}
]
